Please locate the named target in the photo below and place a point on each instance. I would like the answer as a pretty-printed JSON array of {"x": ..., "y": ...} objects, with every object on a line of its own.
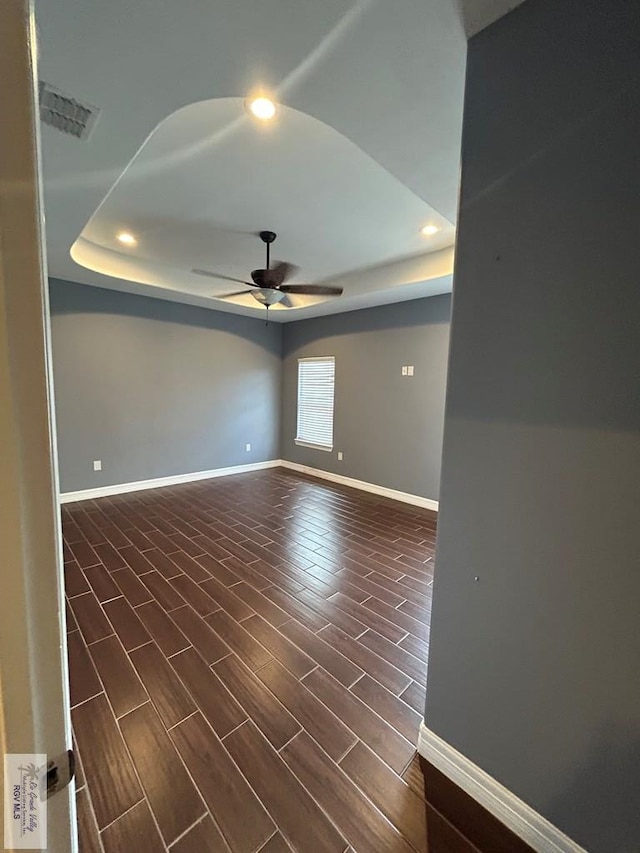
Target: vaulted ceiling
[{"x": 362, "y": 152}]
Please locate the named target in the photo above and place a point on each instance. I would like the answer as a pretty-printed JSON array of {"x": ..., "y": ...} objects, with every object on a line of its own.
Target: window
[{"x": 316, "y": 382}]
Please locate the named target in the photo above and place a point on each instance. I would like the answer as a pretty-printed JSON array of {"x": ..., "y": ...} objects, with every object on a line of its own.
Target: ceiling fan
[{"x": 269, "y": 285}]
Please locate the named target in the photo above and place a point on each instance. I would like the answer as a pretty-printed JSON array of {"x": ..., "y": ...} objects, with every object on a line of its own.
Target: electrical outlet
[
  {"x": 97, "y": 464},
  {"x": 405, "y": 370},
  {"x": 410, "y": 370},
  {"x": 247, "y": 447},
  {"x": 339, "y": 456}
]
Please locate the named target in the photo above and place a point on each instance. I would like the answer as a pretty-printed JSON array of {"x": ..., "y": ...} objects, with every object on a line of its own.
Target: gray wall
[
  {"x": 534, "y": 671},
  {"x": 155, "y": 388},
  {"x": 389, "y": 427}
]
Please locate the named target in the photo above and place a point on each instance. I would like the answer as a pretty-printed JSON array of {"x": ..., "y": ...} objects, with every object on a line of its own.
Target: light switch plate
[
  {"x": 339, "y": 456},
  {"x": 405, "y": 370},
  {"x": 97, "y": 464},
  {"x": 247, "y": 447},
  {"x": 410, "y": 370}
]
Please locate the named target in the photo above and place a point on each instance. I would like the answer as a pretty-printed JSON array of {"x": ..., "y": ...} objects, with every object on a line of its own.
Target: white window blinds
[{"x": 316, "y": 381}]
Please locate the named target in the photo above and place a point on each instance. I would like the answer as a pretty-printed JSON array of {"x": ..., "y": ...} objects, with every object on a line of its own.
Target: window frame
[{"x": 303, "y": 442}]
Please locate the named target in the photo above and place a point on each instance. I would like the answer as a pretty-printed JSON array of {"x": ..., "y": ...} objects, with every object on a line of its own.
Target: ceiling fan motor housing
[{"x": 259, "y": 278}]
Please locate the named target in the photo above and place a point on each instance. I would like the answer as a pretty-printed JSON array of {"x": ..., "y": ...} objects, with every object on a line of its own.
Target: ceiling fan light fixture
[
  {"x": 262, "y": 108},
  {"x": 429, "y": 230},
  {"x": 268, "y": 296}
]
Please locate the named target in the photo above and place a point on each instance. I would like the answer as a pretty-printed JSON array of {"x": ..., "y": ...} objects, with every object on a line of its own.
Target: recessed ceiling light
[
  {"x": 429, "y": 230},
  {"x": 126, "y": 238},
  {"x": 262, "y": 108}
]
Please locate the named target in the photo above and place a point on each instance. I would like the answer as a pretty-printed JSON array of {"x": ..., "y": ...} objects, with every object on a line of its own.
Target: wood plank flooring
[{"x": 248, "y": 667}]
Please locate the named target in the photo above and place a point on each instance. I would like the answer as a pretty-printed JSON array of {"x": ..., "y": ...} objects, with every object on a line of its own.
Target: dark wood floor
[{"x": 248, "y": 661}]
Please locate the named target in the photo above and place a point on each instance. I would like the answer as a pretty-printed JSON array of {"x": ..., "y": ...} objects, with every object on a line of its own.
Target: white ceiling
[{"x": 364, "y": 150}]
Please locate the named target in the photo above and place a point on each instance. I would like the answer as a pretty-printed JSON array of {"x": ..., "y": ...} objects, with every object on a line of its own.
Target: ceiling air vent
[{"x": 66, "y": 113}]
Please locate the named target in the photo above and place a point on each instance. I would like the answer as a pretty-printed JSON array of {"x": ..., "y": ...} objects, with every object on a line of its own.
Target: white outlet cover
[
  {"x": 339, "y": 456},
  {"x": 97, "y": 465}
]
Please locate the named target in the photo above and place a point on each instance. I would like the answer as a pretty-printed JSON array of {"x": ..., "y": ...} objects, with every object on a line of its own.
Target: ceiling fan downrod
[{"x": 267, "y": 238}]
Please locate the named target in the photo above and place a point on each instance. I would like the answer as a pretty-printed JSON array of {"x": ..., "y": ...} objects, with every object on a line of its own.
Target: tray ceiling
[{"x": 364, "y": 148}]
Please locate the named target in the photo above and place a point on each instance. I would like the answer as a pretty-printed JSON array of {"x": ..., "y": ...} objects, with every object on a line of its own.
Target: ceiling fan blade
[
  {"x": 230, "y": 295},
  {"x": 280, "y": 273},
  {"x": 312, "y": 289},
  {"x": 210, "y": 274}
]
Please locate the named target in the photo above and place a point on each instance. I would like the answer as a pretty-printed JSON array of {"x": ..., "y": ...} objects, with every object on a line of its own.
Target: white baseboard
[
  {"x": 521, "y": 819},
  {"x": 158, "y": 482},
  {"x": 405, "y": 497}
]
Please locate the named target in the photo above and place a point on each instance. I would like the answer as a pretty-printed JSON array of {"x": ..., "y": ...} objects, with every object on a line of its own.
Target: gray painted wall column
[
  {"x": 534, "y": 670},
  {"x": 388, "y": 426},
  {"x": 155, "y": 388}
]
